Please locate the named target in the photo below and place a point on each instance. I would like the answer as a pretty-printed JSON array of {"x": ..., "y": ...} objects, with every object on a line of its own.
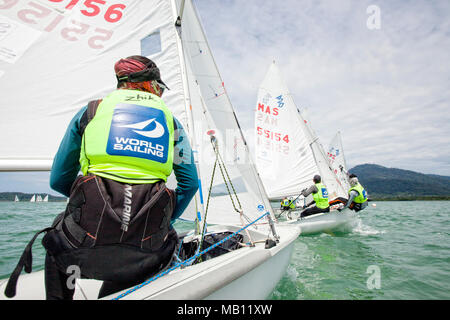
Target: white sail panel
[
  {"x": 337, "y": 159},
  {"x": 212, "y": 110},
  {"x": 64, "y": 57},
  {"x": 329, "y": 178},
  {"x": 283, "y": 156}
]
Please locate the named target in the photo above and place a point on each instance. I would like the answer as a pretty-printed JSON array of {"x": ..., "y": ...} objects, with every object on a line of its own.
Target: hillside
[{"x": 399, "y": 184}]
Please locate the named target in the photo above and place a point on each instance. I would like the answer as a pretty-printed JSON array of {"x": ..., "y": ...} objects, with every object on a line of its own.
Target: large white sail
[
  {"x": 63, "y": 56},
  {"x": 45, "y": 198},
  {"x": 213, "y": 114},
  {"x": 288, "y": 152},
  {"x": 337, "y": 160},
  {"x": 329, "y": 178},
  {"x": 284, "y": 158}
]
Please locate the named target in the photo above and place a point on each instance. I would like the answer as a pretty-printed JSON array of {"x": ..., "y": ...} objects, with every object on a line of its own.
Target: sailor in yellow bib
[
  {"x": 357, "y": 196},
  {"x": 117, "y": 226},
  {"x": 287, "y": 204},
  {"x": 320, "y": 198}
]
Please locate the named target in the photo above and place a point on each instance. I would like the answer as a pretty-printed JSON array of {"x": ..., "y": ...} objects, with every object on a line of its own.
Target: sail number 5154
[{"x": 272, "y": 135}]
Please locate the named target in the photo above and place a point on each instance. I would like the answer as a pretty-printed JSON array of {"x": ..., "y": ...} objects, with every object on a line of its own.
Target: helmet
[
  {"x": 137, "y": 69},
  {"x": 353, "y": 181}
]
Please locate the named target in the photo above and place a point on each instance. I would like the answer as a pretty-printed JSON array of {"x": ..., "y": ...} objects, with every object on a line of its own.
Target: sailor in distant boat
[
  {"x": 357, "y": 196},
  {"x": 117, "y": 226},
  {"x": 320, "y": 198},
  {"x": 287, "y": 204}
]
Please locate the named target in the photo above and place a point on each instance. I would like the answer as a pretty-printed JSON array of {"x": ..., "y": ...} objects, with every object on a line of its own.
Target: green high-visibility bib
[
  {"x": 362, "y": 195},
  {"x": 130, "y": 139},
  {"x": 321, "y": 197}
]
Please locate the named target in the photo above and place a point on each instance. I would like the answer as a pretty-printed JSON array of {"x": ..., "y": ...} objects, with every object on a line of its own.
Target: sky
[{"x": 377, "y": 71}]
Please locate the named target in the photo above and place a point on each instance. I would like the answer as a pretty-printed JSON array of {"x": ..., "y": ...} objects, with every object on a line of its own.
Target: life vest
[
  {"x": 130, "y": 139},
  {"x": 362, "y": 195},
  {"x": 287, "y": 204},
  {"x": 321, "y": 196}
]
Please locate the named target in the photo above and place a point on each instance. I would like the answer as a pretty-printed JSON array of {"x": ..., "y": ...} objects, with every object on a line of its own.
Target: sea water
[{"x": 396, "y": 250}]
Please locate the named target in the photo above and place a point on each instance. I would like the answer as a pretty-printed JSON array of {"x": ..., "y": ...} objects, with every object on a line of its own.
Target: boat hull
[
  {"x": 246, "y": 273},
  {"x": 325, "y": 222}
]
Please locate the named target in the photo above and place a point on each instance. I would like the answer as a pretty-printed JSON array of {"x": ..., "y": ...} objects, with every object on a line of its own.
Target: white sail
[
  {"x": 212, "y": 110},
  {"x": 33, "y": 198},
  {"x": 45, "y": 198},
  {"x": 16, "y": 198},
  {"x": 288, "y": 153},
  {"x": 337, "y": 160},
  {"x": 284, "y": 158},
  {"x": 329, "y": 178},
  {"x": 59, "y": 47},
  {"x": 38, "y": 198}
]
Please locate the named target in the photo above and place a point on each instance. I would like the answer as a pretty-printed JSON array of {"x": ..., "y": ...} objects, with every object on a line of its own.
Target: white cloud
[{"x": 386, "y": 90}]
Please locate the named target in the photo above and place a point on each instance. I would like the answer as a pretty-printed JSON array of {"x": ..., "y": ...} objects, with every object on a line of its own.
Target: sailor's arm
[
  {"x": 66, "y": 163},
  {"x": 353, "y": 194},
  {"x": 307, "y": 192},
  {"x": 185, "y": 171}
]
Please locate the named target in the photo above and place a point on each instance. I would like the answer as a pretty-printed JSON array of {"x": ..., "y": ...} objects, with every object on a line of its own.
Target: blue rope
[{"x": 163, "y": 273}]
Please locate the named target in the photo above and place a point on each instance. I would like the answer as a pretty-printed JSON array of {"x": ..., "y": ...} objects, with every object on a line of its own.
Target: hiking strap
[{"x": 26, "y": 260}]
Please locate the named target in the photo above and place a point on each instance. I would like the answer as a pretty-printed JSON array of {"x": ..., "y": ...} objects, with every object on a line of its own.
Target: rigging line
[
  {"x": 206, "y": 210},
  {"x": 167, "y": 271}
]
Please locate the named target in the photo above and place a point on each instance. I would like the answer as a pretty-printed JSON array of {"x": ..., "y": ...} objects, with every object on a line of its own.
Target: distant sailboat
[
  {"x": 16, "y": 198},
  {"x": 33, "y": 198},
  {"x": 289, "y": 154},
  {"x": 39, "y": 198},
  {"x": 46, "y": 198},
  {"x": 337, "y": 160}
]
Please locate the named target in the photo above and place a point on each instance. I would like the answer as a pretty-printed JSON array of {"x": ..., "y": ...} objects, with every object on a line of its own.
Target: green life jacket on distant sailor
[
  {"x": 321, "y": 197},
  {"x": 362, "y": 195},
  {"x": 130, "y": 139},
  {"x": 287, "y": 203}
]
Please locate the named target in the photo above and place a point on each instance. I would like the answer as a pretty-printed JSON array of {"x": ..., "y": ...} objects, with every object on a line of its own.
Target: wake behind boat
[{"x": 170, "y": 33}]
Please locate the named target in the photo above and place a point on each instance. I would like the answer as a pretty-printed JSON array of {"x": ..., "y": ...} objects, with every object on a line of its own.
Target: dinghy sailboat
[
  {"x": 72, "y": 49},
  {"x": 289, "y": 154},
  {"x": 337, "y": 160},
  {"x": 16, "y": 198}
]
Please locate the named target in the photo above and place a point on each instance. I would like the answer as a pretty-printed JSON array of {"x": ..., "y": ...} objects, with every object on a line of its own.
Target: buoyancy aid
[{"x": 321, "y": 196}]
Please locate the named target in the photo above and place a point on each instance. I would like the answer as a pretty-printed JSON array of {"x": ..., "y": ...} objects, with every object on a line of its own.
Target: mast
[{"x": 188, "y": 107}]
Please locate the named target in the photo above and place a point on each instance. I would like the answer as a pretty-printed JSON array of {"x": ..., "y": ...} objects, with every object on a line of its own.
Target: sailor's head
[
  {"x": 141, "y": 73},
  {"x": 317, "y": 178},
  {"x": 353, "y": 181}
]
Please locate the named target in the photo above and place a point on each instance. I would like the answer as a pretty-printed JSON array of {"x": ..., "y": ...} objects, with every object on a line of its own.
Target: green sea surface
[{"x": 396, "y": 250}]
